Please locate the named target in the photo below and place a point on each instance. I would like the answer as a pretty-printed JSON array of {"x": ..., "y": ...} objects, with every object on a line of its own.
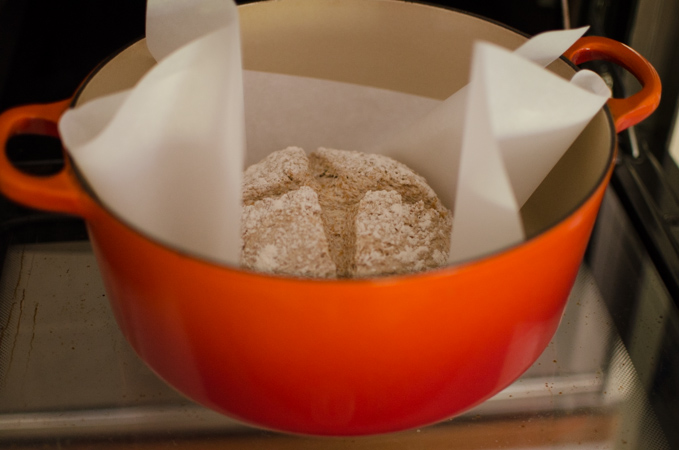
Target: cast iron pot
[{"x": 347, "y": 357}]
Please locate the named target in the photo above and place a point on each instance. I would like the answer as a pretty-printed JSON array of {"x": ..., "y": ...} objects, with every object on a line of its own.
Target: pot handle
[
  {"x": 60, "y": 192},
  {"x": 628, "y": 111}
]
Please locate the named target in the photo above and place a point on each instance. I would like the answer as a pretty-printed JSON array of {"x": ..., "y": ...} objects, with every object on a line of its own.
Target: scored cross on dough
[{"x": 339, "y": 213}]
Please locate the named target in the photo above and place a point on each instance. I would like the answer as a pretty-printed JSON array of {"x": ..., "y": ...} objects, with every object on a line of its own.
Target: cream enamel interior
[{"x": 395, "y": 45}]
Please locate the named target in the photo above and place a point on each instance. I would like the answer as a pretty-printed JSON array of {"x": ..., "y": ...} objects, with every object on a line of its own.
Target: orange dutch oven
[{"x": 347, "y": 357}]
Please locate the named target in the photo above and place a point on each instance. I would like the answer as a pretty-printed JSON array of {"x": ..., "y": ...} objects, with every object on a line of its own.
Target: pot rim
[{"x": 437, "y": 271}]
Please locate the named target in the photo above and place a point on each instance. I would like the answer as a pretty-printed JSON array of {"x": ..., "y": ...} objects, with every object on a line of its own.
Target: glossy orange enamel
[
  {"x": 318, "y": 356},
  {"x": 54, "y": 193},
  {"x": 628, "y": 111},
  {"x": 326, "y": 357}
]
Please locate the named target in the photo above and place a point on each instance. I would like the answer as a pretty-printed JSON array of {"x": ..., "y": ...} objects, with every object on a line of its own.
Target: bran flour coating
[{"x": 340, "y": 214}]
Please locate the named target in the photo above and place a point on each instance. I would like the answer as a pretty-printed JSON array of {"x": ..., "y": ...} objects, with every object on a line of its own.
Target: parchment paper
[{"x": 168, "y": 155}]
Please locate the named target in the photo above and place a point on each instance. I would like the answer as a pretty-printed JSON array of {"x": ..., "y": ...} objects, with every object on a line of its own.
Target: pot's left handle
[{"x": 60, "y": 192}]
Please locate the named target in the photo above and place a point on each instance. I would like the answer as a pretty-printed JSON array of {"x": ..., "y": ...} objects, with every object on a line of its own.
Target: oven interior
[{"x": 609, "y": 379}]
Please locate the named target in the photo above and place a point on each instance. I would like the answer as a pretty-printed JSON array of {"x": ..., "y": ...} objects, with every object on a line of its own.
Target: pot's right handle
[
  {"x": 58, "y": 193},
  {"x": 626, "y": 111}
]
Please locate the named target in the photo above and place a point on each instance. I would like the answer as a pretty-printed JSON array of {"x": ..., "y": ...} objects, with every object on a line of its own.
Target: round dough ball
[{"x": 340, "y": 214}]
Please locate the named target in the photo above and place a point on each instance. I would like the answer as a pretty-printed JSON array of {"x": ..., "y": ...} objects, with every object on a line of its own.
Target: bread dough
[{"x": 340, "y": 214}]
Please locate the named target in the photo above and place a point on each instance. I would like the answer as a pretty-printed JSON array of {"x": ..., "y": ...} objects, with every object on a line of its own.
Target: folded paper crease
[{"x": 167, "y": 156}]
